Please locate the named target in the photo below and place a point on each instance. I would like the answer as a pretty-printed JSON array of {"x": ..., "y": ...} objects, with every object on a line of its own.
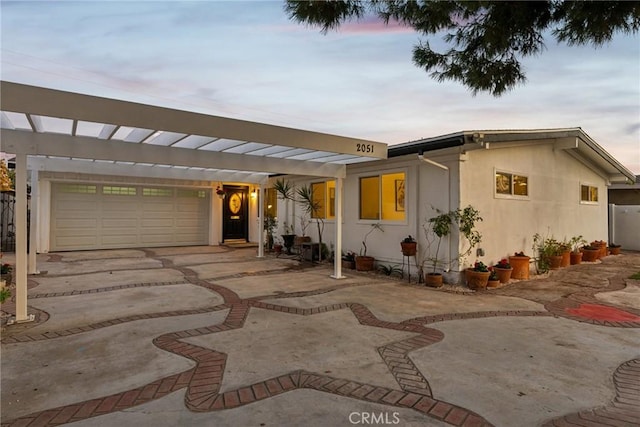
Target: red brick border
[{"x": 624, "y": 410}]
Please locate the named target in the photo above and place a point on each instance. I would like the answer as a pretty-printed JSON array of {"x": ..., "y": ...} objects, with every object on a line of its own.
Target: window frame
[
  {"x": 590, "y": 186},
  {"x": 511, "y": 195},
  {"x": 379, "y": 175}
]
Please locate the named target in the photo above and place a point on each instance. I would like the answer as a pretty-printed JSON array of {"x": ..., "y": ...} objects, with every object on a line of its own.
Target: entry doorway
[{"x": 235, "y": 213}]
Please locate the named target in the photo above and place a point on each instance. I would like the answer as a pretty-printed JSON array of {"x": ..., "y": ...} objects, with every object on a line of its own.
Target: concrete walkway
[{"x": 215, "y": 336}]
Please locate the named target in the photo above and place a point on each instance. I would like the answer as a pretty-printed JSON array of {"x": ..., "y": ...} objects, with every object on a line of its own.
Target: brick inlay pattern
[
  {"x": 105, "y": 289},
  {"x": 624, "y": 410},
  {"x": 203, "y": 382}
]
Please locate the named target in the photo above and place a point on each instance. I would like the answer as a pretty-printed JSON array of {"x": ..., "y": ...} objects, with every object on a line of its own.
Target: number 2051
[{"x": 364, "y": 148}]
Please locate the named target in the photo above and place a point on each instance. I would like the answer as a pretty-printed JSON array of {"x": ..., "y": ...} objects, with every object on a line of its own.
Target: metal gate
[
  {"x": 624, "y": 226},
  {"x": 8, "y": 223}
]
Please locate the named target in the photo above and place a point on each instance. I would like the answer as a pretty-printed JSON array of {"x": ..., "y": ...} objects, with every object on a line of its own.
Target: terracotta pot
[
  {"x": 576, "y": 258},
  {"x": 566, "y": 259},
  {"x": 590, "y": 255},
  {"x": 364, "y": 263},
  {"x": 602, "y": 248},
  {"x": 433, "y": 280},
  {"x": 615, "y": 250},
  {"x": 504, "y": 274},
  {"x": 554, "y": 261},
  {"x": 493, "y": 284},
  {"x": 520, "y": 265},
  {"x": 277, "y": 249},
  {"x": 409, "y": 249},
  {"x": 477, "y": 280}
]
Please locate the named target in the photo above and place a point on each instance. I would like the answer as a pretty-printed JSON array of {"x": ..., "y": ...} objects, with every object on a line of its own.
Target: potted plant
[
  {"x": 277, "y": 246},
  {"x": 441, "y": 226},
  {"x": 576, "y": 243},
  {"x": 520, "y": 264},
  {"x": 614, "y": 249},
  {"x": 549, "y": 253},
  {"x": 565, "y": 251},
  {"x": 503, "y": 270},
  {"x": 590, "y": 253},
  {"x": 288, "y": 237},
  {"x": 349, "y": 260},
  {"x": 494, "y": 280},
  {"x": 5, "y": 271},
  {"x": 477, "y": 276},
  {"x": 409, "y": 246},
  {"x": 270, "y": 224},
  {"x": 364, "y": 262},
  {"x": 602, "y": 247},
  {"x": 5, "y": 293}
]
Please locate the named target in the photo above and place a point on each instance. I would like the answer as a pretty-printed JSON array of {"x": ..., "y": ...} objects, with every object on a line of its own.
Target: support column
[
  {"x": 337, "y": 258},
  {"x": 260, "y": 216},
  {"x": 21, "y": 240},
  {"x": 33, "y": 223}
]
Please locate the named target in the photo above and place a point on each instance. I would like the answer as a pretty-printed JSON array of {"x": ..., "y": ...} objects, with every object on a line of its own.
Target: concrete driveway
[{"x": 215, "y": 336}]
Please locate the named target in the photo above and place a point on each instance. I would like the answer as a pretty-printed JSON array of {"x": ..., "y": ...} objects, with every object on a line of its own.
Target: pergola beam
[{"x": 30, "y": 143}]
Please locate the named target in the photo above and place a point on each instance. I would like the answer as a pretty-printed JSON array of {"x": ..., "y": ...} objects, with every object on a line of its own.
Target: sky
[{"x": 248, "y": 60}]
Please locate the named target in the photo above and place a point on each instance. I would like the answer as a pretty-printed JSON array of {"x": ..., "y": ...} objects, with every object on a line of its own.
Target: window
[
  {"x": 588, "y": 194},
  {"x": 323, "y": 192},
  {"x": 511, "y": 184},
  {"x": 78, "y": 188},
  {"x": 201, "y": 194},
  {"x": 119, "y": 191},
  {"x": 157, "y": 192},
  {"x": 383, "y": 197}
]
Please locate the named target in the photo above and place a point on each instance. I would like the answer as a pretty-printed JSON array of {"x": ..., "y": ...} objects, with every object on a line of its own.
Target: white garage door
[{"x": 103, "y": 216}]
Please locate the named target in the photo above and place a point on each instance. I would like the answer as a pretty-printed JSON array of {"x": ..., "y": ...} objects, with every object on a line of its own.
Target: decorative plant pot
[
  {"x": 554, "y": 261},
  {"x": 433, "y": 280},
  {"x": 493, "y": 284},
  {"x": 350, "y": 265},
  {"x": 615, "y": 250},
  {"x": 504, "y": 274},
  {"x": 277, "y": 249},
  {"x": 601, "y": 245},
  {"x": 576, "y": 258},
  {"x": 365, "y": 263},
  {"x": 566, "y": 259},
  {"x": 477, "y": 280},
  {"x": 409, "y": 249},
  {"x": 520, "y": 265},
  {"x": 590, "y": 255},
  {"x": 288, "y": 241}
]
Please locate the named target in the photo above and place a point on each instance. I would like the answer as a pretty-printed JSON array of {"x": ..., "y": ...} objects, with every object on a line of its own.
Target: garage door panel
[
  {"x": 131, "y": 223},
  {"x": 120, "y": 240},
  {"x": 73, "y": 223},
  {"x": 104, "y": 219},
  {"x": 76, "y": 242}
]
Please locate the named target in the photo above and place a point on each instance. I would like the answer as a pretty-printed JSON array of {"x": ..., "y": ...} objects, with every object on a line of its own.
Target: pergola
[{"x": 52, "y": 130}]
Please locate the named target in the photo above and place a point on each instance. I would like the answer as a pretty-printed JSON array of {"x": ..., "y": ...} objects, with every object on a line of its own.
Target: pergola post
[
  {"x": 260, "y": 215},
  {"x": 33, "y": 223},
  {"x": 337, "y": 257},
  {"x": 21, "y": 240}
]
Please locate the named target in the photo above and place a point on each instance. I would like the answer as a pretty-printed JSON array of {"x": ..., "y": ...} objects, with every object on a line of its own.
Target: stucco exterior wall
[{"x": 553, "y": 207}]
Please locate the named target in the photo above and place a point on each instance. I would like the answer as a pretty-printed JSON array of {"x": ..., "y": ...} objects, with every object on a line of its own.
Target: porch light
[{"x": 254, "y": 194}]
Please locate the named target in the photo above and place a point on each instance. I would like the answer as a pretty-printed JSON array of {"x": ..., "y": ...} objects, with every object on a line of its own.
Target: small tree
[
  {"x": 442, "y": 225},
  {"x": 312, "y": 208}
]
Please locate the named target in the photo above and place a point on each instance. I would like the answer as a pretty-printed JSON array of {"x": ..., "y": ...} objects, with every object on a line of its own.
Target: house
[
  {"x": 547, "y": 181},
  {"x": 108, "y": 173}
]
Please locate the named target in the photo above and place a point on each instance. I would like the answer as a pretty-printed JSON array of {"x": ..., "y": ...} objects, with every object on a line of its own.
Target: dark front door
[{"x": 235, "y": 213}]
